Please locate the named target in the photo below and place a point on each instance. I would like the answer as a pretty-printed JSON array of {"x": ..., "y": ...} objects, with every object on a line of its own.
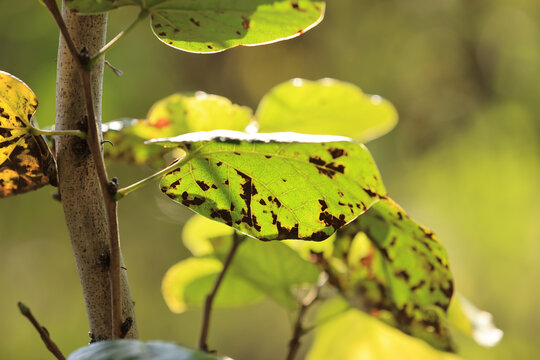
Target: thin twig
[
  {"x": 94, "y": 144},
  {"x": 299, "y": 330},
  {"x": 210, "y": 298},
  {"x": 51, "y": 346}
]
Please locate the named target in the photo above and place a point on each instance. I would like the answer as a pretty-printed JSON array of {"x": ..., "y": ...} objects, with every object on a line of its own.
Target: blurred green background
[{"x": 464, "y": 160}]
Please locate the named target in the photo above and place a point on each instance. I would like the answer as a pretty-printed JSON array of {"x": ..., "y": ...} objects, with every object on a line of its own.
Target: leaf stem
[
  {"x": 129, "y": 189},
  {"x": 143, "y": 14},
  {"x": 237, "y": 240},
  {"x": 51, "y": 346},
  {"x": 299, "y": 330},
  {"x": 36, "y": 131}
]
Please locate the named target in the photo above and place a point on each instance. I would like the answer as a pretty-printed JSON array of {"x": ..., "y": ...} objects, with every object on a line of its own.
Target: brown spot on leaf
[
  {"x": 202, "y": 185},
  {"x": 195, "y": 201},
  {"x": 324, "y": 206},
  {"x": 330, "y": 220},
  {"x": 245, "y": 23},
  {"x": 195, "y": 22},
  {"x": 287, "y": 233},
  {"x": 222, "y": 214}
]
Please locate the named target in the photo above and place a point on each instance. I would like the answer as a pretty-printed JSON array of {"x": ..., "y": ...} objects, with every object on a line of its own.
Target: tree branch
[{"x": 51, "y": 346}]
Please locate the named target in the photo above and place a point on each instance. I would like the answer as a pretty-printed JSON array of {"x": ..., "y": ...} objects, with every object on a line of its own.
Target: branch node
[
  {"x": 113, "y": 186},
  {"x": 125, "y": 327},
  {"x": 84, "y": 58}
]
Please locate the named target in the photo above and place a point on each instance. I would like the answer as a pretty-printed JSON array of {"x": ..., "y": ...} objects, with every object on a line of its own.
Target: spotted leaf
[
  {"x": 175, "y": 114},
  {"x": 215, "y": 25},
  {"x": 396, "y": 270},
  {"x": 274, "y": 186},
  {"x": 25, "y": 160},
  {"x": 306, "y": 106}
]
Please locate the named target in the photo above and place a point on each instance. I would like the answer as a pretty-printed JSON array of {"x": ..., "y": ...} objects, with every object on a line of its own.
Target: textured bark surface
[{"x": 78, "y": 182}]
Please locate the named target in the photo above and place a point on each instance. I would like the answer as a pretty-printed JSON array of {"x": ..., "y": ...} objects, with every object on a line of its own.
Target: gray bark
[{"x": 79, "y": 187}]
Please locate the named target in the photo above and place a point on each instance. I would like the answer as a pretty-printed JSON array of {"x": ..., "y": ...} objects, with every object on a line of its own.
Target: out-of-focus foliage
[{"x": 464, "y": 159}]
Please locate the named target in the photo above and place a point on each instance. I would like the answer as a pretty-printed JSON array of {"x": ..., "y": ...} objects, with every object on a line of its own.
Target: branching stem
[
  {"x": 299, "y": 330},
  {"x": 143, "y": 14},
  {"x": 94, "y": 144},
  {"x": 51, "y": 346},
  {"x": 210, "y": 298}
]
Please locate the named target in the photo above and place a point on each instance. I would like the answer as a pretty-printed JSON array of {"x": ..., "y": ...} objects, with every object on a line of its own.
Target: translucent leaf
[
  {"x": 348, "y": 334},
  {"x": 274, "y": 186},
  {"x": 173, "y": 115},
  {"x": 215, "y": 25},
  {"x": 326, "y": 106},
  {"x": 473, "y": 322},
  {"x": 270, "y": 267},
  {"x": 26, "y": 162},
  {"x": 187, "y": 284},
  {"x": 138, "y": 350},
  {"x": 396, "y": 270}
]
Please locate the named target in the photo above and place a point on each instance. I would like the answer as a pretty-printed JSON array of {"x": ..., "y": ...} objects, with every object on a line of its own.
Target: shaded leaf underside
[
  {"x": 397, "y": 271},
  {"x": 216, "y": 25},
  {"x": 275, "y": 190},
  {"x": 25, "y": 160}
]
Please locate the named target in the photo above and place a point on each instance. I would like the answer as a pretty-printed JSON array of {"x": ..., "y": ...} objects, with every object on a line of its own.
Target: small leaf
[
  {"x": 138, "y": 350},
  {"x": 187, "y": 284},
  {"x": 173, "y": 115},
  {"x": 211, "y": 26},
  {"x": 26, "y": 162},
  {"x": 348, "y": 334},
  {"x": 326, "y": 106},
  {"x": 274, "y": 186},
  {"x": 397, "y": 271}
]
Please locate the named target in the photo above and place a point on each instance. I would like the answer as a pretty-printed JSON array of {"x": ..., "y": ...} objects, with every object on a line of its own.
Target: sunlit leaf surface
[
  {"x": 396, "y": 270},
  {"x": 25, "y": 160},
  {"x": 274, "y": 186},
  {"x": 187, "y": 284},
  {"x": 216, "y": 25},
  {"x": 171, "y": 116},
  {"x": 345, "y": 333},
  {"x": 326, "y": 106},
  {"x": 138, "y": 350}
]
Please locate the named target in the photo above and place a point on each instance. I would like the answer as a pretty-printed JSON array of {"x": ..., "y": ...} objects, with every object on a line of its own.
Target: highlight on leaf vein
[
  {"x": 274, "y": 186},
  {"x": 26, "y": 162}
]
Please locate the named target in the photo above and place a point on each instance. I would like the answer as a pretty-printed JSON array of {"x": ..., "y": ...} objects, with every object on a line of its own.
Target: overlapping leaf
[
  {"x": 272, "y": 269},
  {"x": 138, "y": 350},
  {"x": 396, "y": 270},
  {"x": 173, "y": 115},
  {"x": 25, "y": 160},
  {"x": 345, "y": 333},
  {"x": 216, "y": 25},
  {"x": 187, "y": 284},
  {"x": 274, "y": 186},
  {"x": 326, "y": 106}
]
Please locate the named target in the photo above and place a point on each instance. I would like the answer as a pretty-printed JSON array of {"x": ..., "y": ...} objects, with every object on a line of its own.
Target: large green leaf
[
  {"x": 26, "y": 162},
  {"x": 187, "y": 284},
  {"x": 216, "y": 25},
  {"x": 348, "y": 334},
  {"x": 274, "y": 186},
  {"x": 326, "y": 106},
  {"x": 138, "y": 350},
  {"x": 173, "y": 115},
  {"x": 396, "y": 270},
  {"x": 270, "y": 267}
]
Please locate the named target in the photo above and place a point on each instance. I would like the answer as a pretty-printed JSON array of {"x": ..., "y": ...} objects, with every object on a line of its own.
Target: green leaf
[
  {"x": 138, "y": 350},
  {"x": 26, "y": 162},
  {"x": 274, "y": 186},
  {"x": 397, "y": 271},
  {"x": 348, "y": 334},
  {"x": 270, "y": 267},
  {"x": 215, "y": 25},
  {"x": 187, "y": 284},
  {"x": 173, "y": 115},
  {"x": 274, "y": 269},
  {"x": 326, "y": 106}
]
